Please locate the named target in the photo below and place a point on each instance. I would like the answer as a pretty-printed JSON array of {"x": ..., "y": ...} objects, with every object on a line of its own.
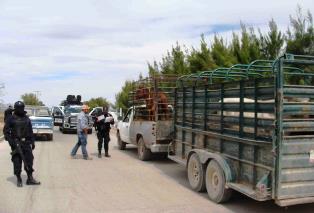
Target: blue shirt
[{"x": 82, "y": 122}]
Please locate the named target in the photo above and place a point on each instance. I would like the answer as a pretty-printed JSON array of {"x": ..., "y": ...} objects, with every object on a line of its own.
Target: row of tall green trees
[{"x": 246, "y": 46}]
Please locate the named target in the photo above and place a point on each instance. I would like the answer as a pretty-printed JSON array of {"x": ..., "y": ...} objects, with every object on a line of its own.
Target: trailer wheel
[
  {"x": 216, "y": 183},
  {"x": 121, "y": 144},
  {"x": 196, "y": 173},
  {"x": 144, "y": 154}
]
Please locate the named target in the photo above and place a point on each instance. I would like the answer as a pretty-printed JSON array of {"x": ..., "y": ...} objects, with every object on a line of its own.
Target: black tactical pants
[
  {"x": 103, "y": 138},
  {"x": 17, "y": 160}
]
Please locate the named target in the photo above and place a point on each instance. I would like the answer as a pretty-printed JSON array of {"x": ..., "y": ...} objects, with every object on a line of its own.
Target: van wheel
[
  {"x": 196, "y": 173},
  {"x": 121, "y": 144},
  {"x": 216, "y": 183},
  {"x": 144, "y": 154}
]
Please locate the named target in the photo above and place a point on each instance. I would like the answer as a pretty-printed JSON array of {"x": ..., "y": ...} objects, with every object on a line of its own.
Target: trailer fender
[{"x": 206, "y": 156}]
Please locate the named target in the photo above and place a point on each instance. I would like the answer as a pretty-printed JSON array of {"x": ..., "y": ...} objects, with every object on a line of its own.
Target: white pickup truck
[{"x": 149, "y": 136}]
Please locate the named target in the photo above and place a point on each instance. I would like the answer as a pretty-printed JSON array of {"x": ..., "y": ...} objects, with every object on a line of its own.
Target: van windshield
[{"x": 38, "y": 112}]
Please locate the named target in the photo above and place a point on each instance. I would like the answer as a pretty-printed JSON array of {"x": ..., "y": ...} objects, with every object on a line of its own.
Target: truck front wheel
[
  {"x": 121, "y": 144},
  {"x": 216, "y": 183},
  {"x": 144, "y": 154},
  {"x": 196, "y": 173}
]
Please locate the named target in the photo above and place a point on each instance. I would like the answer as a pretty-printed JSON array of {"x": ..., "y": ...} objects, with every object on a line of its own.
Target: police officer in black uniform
[
  {"x": 102, "y": 126},
  {"x": 8, "y": 113},
  {"x": 19, "y": 133}
]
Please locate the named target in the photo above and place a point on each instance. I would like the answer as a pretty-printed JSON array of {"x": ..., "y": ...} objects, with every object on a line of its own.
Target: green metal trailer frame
[{"x": 256, "y": 121}]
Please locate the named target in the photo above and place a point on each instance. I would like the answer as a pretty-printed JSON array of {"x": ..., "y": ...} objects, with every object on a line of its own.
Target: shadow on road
[
  {"x": 238, "y": 202},
  {"x": 12, "y": 179}
]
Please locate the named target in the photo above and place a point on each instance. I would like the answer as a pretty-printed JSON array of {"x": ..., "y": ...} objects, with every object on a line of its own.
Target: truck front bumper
[
  {"x": 159, "y": 148},
  {"x": 42, "y": 131}
]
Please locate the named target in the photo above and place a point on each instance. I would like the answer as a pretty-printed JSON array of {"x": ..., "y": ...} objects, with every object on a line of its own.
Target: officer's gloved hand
[{"x": 33, "y": 146}]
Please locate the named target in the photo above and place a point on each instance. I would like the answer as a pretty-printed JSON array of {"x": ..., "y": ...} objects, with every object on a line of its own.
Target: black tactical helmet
[
  {"x": 19, "y": 108},
  {"x": 19, "y": 105}
]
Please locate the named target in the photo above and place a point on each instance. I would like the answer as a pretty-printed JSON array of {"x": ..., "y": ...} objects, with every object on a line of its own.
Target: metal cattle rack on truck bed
[
  {"x": 248, "y": 128},
  {"x": 148, "y": 123},
  {"x": 155, "y": 95}
]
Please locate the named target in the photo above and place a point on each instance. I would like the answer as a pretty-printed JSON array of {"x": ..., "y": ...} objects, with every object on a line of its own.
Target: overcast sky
[{"x": 90, "y": 47}]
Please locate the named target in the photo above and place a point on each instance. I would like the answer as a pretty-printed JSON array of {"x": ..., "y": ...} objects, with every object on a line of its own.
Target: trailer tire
[
  {"x": 121, "y": 144},
  {"x": 196, "y": 173},
  {"x": 216, "y": 183},
  {"x": 144, "y": 154}
]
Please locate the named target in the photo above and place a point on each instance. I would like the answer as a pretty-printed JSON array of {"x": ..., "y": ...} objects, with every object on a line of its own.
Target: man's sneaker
[
  {"x": 99, "y": 155},
  {"x": 73, "y": 157},
  {"x": 107, "y": 155},
  {"x": 88, "y": 158}
]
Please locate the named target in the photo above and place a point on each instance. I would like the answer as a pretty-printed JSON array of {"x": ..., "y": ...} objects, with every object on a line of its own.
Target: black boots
[
  {"x": 106, "y": 155},
  {"x": 31, "y": 181},
  {"x": 19, "y": 182}
]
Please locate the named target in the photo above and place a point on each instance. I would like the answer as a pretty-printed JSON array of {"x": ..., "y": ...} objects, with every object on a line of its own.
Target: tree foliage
[
  {"x": 244, "y": 47},
  {"x": 300, "y": 37},
  {"x": 272, "y": 42},
  {"x": 31, "y": 99},
  {"x": 201, "y": 60},
  {"x": 97, "y": 102},
  {"x": 122, "y": 98}
]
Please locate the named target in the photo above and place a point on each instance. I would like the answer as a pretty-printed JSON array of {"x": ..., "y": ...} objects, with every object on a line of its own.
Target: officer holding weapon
[{"x": 19, "y": 133}]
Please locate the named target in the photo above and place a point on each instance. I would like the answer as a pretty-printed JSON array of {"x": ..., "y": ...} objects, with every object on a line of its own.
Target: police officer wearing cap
[{"x": 19, "y": 133}]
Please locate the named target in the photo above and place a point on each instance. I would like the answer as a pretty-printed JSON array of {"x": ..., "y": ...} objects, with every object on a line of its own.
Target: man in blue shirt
[{"x": 82, "y": 131}]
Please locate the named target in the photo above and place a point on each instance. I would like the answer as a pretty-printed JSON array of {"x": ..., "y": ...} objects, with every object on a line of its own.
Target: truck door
[
  {"x": 58, "y": 116},
  {"x": 125, "y": 127}
]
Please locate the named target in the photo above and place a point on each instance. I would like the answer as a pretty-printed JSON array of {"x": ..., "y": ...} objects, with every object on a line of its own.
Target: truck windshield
[
  {"x": 42, "y": 112},
  {"x": 38, "y": 112},
  {"x": 69, "y": 110}
]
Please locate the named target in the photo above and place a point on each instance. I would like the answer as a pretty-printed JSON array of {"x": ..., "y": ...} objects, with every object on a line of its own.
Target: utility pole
[{"x": 37, "y": 94}]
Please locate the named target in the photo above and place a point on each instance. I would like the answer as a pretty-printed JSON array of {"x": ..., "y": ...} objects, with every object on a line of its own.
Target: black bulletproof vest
[{"x": 20, "y": 125}]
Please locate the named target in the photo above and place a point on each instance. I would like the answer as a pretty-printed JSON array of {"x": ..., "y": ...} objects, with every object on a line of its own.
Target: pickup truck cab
[
  {"x": 149, "y": 136},
  {"x": 41, "y": 119}
]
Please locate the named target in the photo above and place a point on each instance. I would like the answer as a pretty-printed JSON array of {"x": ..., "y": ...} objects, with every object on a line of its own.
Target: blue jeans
[{"x": 82, "y": 141}]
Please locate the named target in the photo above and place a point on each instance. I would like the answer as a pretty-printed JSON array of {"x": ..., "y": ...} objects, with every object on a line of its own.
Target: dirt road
[{"x": 119, "y": 184}]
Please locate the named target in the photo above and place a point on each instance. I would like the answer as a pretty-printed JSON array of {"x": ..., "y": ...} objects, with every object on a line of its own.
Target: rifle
[{"x": 18, "y": 150}]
